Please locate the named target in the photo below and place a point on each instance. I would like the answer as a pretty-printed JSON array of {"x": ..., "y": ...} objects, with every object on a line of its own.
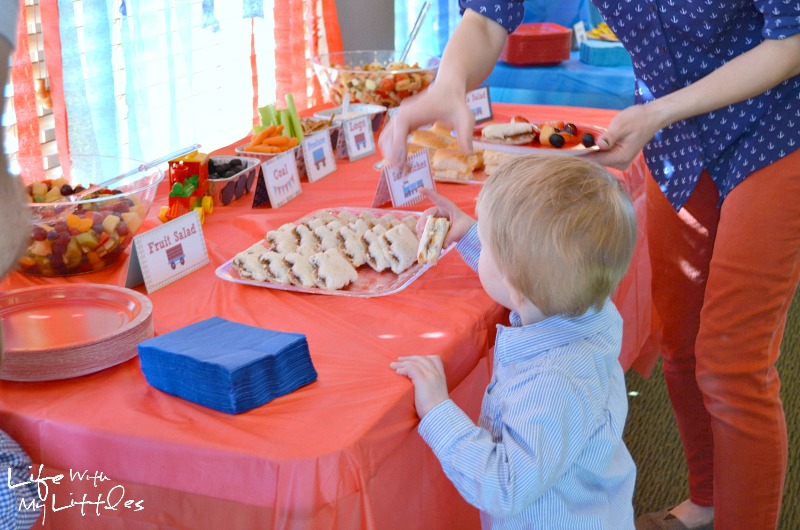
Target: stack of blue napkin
[
  {"x": 602, "y": 53},
  {"x": 225, "y": 365}
]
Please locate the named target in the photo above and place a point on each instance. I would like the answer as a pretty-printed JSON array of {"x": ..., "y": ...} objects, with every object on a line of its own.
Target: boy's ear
[{"x": 514, "y": 295}]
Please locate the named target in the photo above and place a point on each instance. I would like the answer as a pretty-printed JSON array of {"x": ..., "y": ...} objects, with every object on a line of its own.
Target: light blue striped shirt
[{"x": 548, "y": 452}]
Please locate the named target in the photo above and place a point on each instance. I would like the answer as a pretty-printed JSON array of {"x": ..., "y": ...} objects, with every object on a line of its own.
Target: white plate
[{"x": 369, "y": 283}]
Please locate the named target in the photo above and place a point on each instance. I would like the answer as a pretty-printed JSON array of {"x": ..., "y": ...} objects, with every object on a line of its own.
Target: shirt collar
[{"x": 518, "y": 343}]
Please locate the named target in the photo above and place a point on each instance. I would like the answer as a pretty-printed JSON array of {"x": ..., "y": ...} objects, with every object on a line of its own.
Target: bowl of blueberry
[{"x": 79, "y": 225}]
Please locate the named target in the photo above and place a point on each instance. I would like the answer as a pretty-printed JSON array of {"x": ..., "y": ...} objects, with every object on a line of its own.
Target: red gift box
[{"x": 537, "y": 44}]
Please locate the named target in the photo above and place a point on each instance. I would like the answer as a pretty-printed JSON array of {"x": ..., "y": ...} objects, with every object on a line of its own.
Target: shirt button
[{"x": 652, "y": 8}]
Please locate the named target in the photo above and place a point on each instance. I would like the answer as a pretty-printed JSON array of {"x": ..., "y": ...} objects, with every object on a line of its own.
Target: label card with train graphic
[
  {"x": 167, "y": 253},
  {"x": 279, "y": 182}
]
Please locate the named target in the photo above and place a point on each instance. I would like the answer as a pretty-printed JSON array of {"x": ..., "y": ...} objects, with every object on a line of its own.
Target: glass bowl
[
  {"x": 86, "y": 235},
  {"x": 373, "y": 76}
]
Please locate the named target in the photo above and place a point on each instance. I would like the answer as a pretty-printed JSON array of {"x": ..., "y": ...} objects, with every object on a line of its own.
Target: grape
[
  {"x": 587, "y": 139},
  {"x": 122, "y": 228},
  {"x": 38, "y": 233},
  {"x": 556, "y": 140}
]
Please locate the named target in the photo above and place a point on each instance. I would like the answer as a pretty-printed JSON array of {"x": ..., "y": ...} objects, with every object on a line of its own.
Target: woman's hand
[
  {"x": 427, "y": 374},
  {"x": 627, "y": 134},
  {"x": 439, "y": 103},
  {"x": 460, "y": 222}
]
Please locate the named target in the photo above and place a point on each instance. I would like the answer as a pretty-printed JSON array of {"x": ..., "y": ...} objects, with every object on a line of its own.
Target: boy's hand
[
  {"x": 427, "y": 374},
  {"x": 460, "y": 222}
]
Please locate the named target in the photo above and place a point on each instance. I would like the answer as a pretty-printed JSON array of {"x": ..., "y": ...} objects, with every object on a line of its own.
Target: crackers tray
[{"x": 369, "y": 283}]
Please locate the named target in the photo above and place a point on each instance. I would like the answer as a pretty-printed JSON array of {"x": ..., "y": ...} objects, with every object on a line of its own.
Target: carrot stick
[
  {"x": 278, "y": 141},
  {"x": 263, "y": 149},
  {"x": 265, "y": 133},
  {"x": 293, "y": 141},
  {"x": 278, "y": 130}
]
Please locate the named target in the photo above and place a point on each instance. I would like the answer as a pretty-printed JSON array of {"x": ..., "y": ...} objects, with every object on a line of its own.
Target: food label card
[
  {"x": 359, "y": 137},
  {"x": 318, "y": 155},
  {"x": 578, "y": 35},
  {"x": 402, "y": 185},
  {"x": 167, "y": 253},
  {"x": 279, "y": 182},
  {"x": 480, "y": 104}
]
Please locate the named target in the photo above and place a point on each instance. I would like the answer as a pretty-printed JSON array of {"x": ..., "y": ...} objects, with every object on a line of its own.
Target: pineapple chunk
[
  {"x": 54, "y": 195},
  {"x": 133, "y": 221},
  {"x": 38, "y": 189},
  {"x": 110, "y": 223}
]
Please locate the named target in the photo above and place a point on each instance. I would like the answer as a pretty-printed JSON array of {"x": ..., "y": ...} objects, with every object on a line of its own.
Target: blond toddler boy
[{"x": 553, "y": 239}]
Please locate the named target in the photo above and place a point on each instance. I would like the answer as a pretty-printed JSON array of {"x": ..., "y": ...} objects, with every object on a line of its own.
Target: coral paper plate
[{"x": 62, "y": 331}]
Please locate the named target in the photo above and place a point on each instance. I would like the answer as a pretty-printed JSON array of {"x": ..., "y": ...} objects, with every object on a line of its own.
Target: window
[{"x": 141, "y": 79}]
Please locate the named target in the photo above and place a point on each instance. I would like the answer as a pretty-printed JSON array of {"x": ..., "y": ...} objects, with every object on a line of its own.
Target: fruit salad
[{"x": 82, "y": 237}]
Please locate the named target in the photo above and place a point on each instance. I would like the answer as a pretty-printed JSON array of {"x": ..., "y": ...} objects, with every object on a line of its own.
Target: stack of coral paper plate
[
  {"x": 63, "y": 331},
  {"x": 225, "y": 365},
  {"x": 537, "y": 44}
]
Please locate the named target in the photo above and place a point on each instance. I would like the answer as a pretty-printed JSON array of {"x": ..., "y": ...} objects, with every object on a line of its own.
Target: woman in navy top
[{"x": 717, "y": 115}]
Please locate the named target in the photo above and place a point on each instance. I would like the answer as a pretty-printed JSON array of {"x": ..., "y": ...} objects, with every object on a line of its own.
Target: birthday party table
[{"x": 341, "y": 452}]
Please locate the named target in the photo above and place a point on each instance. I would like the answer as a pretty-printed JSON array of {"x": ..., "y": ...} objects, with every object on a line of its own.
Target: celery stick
[
  {"x": 297, "y": 127},
  {"x": 285, "y": 120},
  {"x": 268, "y": 117}
]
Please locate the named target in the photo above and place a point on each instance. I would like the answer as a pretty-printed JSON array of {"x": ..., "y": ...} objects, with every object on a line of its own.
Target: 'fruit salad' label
[{"x": 167, "y": 253}]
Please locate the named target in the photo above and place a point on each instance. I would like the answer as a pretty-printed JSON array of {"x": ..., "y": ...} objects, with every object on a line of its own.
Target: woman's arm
[
  {"x": 468, "y": 59},
  {"x": 748, "y": 75}
]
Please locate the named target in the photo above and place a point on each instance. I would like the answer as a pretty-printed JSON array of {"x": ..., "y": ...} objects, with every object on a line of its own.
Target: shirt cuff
[
  {"x": 470, "y": 247},
  {"x": 443, "y": 425}
]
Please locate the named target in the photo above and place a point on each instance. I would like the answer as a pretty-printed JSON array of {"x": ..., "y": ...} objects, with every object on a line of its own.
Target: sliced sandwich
[
  {"x": 431, "y": 240},
  {"x": 515, "y": 133}
]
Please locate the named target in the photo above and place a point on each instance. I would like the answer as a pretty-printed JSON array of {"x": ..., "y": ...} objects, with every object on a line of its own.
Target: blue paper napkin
[{"x": 225, "y": 365}]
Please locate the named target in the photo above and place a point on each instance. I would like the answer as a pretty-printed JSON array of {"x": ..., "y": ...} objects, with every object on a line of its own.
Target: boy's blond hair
[{"x": 561, "y": 229}]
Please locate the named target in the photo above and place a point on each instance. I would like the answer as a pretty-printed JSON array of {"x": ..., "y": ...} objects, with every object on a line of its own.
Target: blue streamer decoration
[
  {"x": 253, "y": 8},
  {"x": 209, "y": 20}
]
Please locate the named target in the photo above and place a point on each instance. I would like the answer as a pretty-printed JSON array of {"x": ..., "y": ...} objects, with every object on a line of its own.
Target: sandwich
[
  {"x": 401, "y": 245},
  {"x": 452, "y": 164},
  {"x": 276, "y": 269},
  {"x": 494, "y": 159},
  {"x": 377, "y": 248},
  {"x": 248, "y": 265},
  {"x": 515, "y": 133},
  {"x": 431, "y": 139},
  {"x": 432, "y": 239},
  {"x": 284, "y": 239},
  {"x": 300, "y": 273},
  {"x": 331, "y": 270},
  {"x": 352, "y": 246}
]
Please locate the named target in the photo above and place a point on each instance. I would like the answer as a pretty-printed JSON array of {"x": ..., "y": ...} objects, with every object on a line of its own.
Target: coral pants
[{"x": 723, "y": 280}]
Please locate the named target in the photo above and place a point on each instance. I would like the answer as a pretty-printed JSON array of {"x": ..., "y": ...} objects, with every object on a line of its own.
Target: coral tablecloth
[{"x": 341, "y": 452}]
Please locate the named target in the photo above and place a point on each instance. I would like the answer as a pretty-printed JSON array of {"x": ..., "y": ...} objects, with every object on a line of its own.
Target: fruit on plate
[{"x": 553, "y": 133}]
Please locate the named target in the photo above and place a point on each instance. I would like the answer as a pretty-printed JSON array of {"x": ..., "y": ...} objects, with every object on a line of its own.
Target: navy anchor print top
[{"x": 676, "y": 42}]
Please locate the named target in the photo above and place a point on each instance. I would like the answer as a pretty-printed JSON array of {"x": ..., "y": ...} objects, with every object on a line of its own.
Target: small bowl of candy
[
  {"x": 376, "y": 77},
  {"x": 229, "y": 177},
  {"x": 75, "y": 236}
]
